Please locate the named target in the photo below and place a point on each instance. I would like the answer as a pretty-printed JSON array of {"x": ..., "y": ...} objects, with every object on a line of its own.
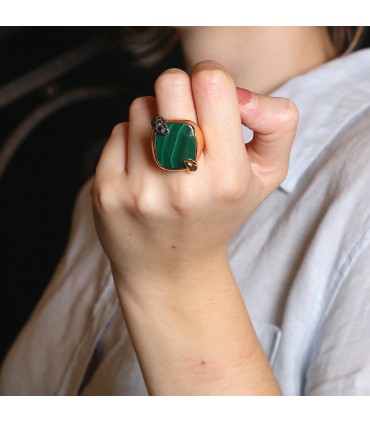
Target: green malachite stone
[{"x": 175, "y": 147}]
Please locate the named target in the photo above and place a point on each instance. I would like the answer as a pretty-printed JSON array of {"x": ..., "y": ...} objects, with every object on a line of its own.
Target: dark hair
[
  {"x": 149, "y": 45},
  {"x": 345, "y": 38}
]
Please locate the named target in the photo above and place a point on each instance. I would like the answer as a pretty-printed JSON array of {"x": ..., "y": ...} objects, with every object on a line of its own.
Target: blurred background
[{"x": 62, "y": 89}]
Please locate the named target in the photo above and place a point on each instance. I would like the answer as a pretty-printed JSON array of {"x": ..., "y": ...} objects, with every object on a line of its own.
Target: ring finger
[{"x": 174, "y": 101}]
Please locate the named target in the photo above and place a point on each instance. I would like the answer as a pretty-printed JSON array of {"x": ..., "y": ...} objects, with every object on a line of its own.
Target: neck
[{"x": 259, "y": 58}]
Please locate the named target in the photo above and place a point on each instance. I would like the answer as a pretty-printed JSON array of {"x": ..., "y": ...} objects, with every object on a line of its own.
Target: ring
[{"x": 176, "y": 144}]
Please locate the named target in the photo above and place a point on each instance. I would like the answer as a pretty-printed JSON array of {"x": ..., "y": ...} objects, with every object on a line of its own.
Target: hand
[
  {"x": 166, "y": 233},
  {"x": 153, "y": 222}
]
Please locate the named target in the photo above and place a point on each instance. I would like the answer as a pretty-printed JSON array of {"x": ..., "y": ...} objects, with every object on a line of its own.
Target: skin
[
  {"x": 166, "y": 233},
  {"x": 289, "y": 51}
]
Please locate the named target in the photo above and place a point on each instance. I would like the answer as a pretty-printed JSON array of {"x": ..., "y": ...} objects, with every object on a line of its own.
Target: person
[{"x": 248, "y": 276}]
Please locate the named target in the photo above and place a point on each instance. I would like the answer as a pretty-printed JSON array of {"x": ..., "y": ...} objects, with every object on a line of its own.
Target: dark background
[{"x": 58, "y": 153}]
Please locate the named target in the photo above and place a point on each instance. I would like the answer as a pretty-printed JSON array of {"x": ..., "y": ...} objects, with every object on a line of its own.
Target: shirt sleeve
[
  {"x": 51, "y": 353},
  {"x": 340, "y": 362}
]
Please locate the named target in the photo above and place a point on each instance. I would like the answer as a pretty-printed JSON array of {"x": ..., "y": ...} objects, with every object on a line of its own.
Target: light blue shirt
[{"x": 301, "y": 261}]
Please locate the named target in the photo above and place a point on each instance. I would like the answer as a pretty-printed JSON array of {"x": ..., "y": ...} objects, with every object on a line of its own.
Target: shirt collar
[{"x": 328, "y": 98}]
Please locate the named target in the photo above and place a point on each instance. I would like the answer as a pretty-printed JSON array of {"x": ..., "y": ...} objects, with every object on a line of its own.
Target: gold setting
[{"x": 191, "y": 165}]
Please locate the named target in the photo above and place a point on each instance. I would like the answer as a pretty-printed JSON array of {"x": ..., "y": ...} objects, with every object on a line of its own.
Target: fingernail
[{"x": 247, "y": 99}]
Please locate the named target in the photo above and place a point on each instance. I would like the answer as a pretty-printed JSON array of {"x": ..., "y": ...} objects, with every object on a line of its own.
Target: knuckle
[
  {"x": 288, "y": 113},
  {"x": 104, "y": 196},
  {"x": 185, "y": 201},
  {"x": 147, "y": 205},
  {"x": 233, "y": 193},
  {"x": 231, "y": 188},
  {"x": 140, "y": 104},
  {"x": 212, "y": 78},
  {"x": 174, "y": 79},
  {"x": 119, "y": 129}
]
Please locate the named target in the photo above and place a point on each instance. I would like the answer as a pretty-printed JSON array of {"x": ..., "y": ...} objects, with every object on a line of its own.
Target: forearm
[{"x": 192, "y": 333}]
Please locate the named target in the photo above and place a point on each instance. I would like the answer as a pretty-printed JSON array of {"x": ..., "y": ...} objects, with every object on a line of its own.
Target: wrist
[
  {"x": 192, "y": 335},
  {"x": 178, "y": 275}
]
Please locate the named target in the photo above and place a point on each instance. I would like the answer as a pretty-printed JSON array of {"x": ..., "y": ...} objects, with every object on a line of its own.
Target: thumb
[{"x": 274, "y": 122}]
